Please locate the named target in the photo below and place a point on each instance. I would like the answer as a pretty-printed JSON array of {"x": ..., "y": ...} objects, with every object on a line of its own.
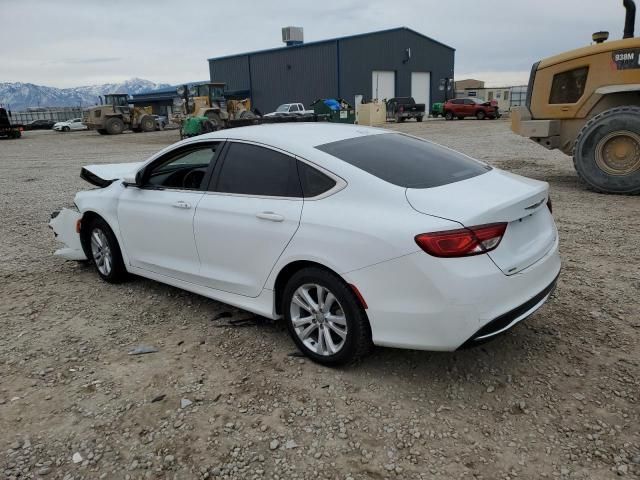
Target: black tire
[
  {"x": 448, "y": 115},
  {"x": 102, "y": 131},
  {"x": 148, "y": 124},
  {"x": 207, "y": 127},
  {"x": 480, "y": 115},
  {"x": 460, "y": 117},
  {"x": 357, "y": 343},
  {"x": 114, "y": 126},
  {"x": 118, "y": 272},
  {"x": 586, "y": 151},
  {"x": 215, "y": 120},
  {"x": 66, "y": 129},
  {"x": 418, "y": 119}
]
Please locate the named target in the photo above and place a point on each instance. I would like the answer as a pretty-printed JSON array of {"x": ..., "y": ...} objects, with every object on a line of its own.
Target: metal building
[{"x": 384, "y": 64}]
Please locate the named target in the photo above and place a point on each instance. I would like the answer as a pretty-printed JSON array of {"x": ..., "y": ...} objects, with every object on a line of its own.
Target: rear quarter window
[{"x": 405, "y": 161}]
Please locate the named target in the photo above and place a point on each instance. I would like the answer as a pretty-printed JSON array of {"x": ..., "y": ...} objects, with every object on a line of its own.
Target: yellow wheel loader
[
  {"x": 114, "y": 115},
  {"x": 586, "y": 103}
]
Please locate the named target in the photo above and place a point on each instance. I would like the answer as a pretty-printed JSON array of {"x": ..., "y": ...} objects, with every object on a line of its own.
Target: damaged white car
[{"x": 356, "y": 236}]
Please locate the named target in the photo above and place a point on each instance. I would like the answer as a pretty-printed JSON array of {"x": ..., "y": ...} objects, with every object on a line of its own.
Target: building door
[
  {"x": 383, "y": 84},
  {"x": 421, "y": 88}
]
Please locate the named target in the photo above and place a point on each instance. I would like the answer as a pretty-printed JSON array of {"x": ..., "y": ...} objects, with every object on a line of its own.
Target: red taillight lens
[
  {"x": 463, "y": 242},
  {"x": 549, "y": 205}
]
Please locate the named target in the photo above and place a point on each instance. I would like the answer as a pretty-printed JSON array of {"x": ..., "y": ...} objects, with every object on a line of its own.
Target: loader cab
[
  {"x": 214, "y": 92},
  {"x": 117, "y": 100}
]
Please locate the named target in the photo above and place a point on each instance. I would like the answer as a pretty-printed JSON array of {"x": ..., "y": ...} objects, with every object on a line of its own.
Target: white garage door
[
  {"x": 383, "y": 85},
  {"x": 421, "y": 88}
]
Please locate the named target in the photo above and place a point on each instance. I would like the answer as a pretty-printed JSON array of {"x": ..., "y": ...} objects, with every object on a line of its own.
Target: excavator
[{"x": 586, "y": 103}]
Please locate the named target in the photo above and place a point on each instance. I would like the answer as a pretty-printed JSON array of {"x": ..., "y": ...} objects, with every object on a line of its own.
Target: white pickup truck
[{"x": 289, "y": 109}]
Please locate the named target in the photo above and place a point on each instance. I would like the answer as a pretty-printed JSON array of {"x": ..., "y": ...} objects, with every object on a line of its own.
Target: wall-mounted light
[{"x": 407, "y": 55}]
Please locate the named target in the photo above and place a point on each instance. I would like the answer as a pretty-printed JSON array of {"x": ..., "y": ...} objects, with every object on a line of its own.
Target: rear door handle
[
  {"x": 181, "y": 204},
  {"x": 272, "y": 217}
]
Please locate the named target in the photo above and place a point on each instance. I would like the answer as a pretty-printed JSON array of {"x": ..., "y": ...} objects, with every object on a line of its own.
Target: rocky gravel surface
[{"x": 227, "y": 397}]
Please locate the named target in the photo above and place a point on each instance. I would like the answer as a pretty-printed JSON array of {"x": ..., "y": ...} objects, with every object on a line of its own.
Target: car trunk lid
[
  {"x": 104, "y": 175},
  {"x": 496, "y": 197}
]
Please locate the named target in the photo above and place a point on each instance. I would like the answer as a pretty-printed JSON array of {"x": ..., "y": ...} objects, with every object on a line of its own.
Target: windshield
[
  {"x": 405, "y": 161},
  {"x": 283, "y": 108}
]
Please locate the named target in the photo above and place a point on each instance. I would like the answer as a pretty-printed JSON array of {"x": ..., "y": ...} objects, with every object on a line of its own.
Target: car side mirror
[{"x": 133, "y": 179}]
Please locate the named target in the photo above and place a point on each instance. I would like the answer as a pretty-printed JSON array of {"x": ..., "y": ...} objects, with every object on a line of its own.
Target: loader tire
[
  {"x": 102, "y": 131},
  {"x": 114, "y": 126},
  {"x": 606, "y": 153},
  {"x": 148, "y": 124},
  {"x": 216, "y": 121}
]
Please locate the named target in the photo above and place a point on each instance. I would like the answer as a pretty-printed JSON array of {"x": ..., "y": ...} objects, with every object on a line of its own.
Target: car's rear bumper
[{"x": 421, "y": 302}]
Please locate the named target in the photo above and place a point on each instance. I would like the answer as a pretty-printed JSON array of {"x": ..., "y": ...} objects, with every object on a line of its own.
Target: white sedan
[
  {"x": 355, "y": 236},
  {"x": 73, "y": 124}
]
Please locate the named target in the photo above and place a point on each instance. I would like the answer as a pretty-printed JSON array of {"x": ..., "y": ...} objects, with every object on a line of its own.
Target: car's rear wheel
[
  {"x": 480, "y": 115},
  {"x": 104, "y": 250},
  {"x": 418, "y": 119},
  {"x": 448, "y": 116},
  {"x": 325, "y": 318}
]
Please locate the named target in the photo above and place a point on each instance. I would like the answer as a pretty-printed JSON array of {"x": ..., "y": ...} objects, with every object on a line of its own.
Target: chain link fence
[{"x": 56, "y": 114}]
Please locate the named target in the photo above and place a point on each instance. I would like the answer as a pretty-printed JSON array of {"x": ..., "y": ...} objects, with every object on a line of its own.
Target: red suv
[{"x": 470, "y": 107}]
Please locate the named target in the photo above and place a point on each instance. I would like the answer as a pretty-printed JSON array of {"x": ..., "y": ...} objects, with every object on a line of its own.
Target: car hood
[{"x": 105, "y": 174}]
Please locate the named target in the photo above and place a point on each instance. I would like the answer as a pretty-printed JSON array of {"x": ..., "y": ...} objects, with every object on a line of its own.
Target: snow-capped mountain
[{"x": 20, "y": 96}]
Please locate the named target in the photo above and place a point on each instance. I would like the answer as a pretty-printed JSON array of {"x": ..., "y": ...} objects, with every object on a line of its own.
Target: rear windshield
[{"x": 405, "y": 161}]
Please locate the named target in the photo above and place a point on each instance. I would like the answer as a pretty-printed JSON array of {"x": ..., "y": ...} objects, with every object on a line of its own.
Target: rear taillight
[
  {"x": 549, "y": 204},
  {"x": 463, "y": 242}
]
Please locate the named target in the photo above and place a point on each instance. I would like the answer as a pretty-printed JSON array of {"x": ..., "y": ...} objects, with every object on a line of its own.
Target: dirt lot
[{"x": 557, "y": 397}]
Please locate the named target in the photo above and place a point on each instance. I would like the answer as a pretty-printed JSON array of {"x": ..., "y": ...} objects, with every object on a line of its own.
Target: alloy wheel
[
  {"x": 318, "y": 319},
  {"x": 101, "y": 251}
]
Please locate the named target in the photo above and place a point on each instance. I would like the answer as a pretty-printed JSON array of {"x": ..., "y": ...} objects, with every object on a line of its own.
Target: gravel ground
[{"x": 556, "y": 397}]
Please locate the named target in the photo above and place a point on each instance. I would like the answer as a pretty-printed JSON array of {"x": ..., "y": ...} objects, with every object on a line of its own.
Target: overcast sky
[{"x": 66, "y": 43}]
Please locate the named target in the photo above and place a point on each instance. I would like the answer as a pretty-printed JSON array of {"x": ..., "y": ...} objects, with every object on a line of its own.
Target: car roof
[{"x": 298, "y": 135}]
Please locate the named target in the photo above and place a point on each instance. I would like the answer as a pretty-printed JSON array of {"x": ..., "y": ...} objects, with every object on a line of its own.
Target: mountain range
[{"x": 20, "y": 96}]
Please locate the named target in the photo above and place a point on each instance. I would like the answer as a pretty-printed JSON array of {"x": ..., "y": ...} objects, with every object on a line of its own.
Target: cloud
[{"x": 75, "y": 42}]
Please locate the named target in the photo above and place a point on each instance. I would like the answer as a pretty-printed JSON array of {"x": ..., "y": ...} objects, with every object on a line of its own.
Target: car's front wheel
[
  {"x": 104, "y": 251},
  {"x": 325, "y": 318},
  {"x": 66, "y": 129}
]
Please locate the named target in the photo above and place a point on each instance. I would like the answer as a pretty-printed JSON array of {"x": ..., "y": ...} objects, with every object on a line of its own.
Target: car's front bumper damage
[{"x": 66, "y": 228}]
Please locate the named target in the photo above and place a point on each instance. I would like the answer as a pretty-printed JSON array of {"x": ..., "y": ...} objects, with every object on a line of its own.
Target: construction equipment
[
  {"x": 7, "y": 128},
  {"x": 114, "y": 115},
  {"x": 208, "y": 107},
  {"x": 586, "y": 103}
]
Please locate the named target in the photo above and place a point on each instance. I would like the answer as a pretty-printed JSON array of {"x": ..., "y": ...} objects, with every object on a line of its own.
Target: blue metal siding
[
  {"x": 296, "y": 75},
  {"x": 386, "y": 51},
  {"x": 234, "y": 71},
  {"x": 332, "y": 68}
]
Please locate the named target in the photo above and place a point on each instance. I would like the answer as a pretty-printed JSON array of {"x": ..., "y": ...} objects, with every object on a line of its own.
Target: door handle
[
  {"x": 272, "y": 217},
  {"x": 181, "y": 204}
]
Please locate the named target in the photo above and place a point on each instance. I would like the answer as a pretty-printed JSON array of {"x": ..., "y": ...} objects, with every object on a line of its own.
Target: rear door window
[
  {"x": 405, "y": 161},
  {"x": 254, "y": 170}
]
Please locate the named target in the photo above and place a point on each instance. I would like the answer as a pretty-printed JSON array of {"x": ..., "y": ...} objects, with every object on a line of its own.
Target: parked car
[
  {"x": 355, "y": 236},
  {"x": 470, "y": 107},
  {"x": 161, "y": 122},
  {"x": 289, "y": 109},
  {"x": 73, "y": 124},
  {"x": 39, "y": 125},
  {"x": 401, "y": 108}
]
